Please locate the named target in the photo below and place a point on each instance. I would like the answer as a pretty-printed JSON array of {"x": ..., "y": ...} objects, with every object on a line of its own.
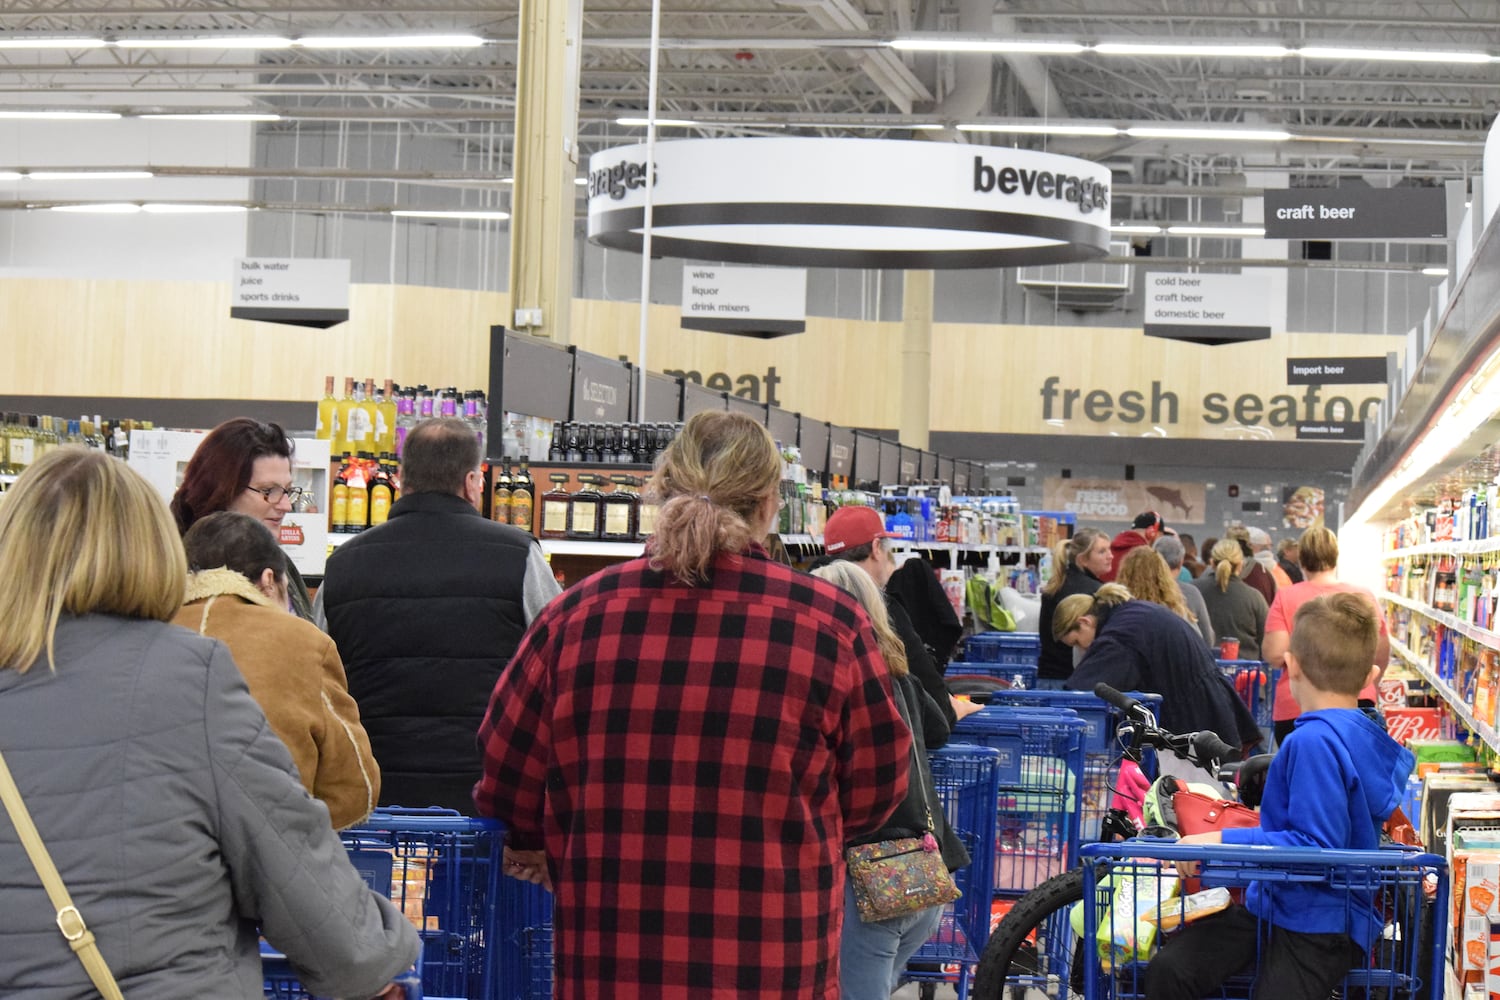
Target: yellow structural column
[
  {"x": 546, "y": 163},
  {"x": 916, "y": 359}
]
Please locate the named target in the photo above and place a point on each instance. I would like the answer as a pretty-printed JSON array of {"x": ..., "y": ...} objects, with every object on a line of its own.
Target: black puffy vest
[{"x": 426, "y": 610}]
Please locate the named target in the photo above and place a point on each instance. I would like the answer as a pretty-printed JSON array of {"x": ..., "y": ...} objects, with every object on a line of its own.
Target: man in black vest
[{"x": 426, "y": 610}]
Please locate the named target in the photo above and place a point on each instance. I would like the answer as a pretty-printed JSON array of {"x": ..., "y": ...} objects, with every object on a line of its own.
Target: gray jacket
[{"x": 178, "y": 824}]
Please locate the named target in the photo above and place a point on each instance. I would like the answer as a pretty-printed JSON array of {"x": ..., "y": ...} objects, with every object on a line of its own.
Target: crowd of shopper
[{"x": 681, "y": 746}]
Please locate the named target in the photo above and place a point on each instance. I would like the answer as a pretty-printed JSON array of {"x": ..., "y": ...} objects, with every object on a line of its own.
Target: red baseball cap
[{"x": 851, "y": 527}]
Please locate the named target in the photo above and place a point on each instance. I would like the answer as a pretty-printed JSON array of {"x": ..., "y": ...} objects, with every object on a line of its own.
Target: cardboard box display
[
  {"x": 1477, "y": 906},
  {"x": 1436, "y": 793}
]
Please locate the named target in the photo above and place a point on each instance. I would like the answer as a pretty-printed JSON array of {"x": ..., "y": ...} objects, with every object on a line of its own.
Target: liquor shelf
[
  {"x": 573, "y": 547},
  {"x": 1483, "y": 636},
  {"x": 1474, "y": 547},
  {"x": 1454, "y": 700}
]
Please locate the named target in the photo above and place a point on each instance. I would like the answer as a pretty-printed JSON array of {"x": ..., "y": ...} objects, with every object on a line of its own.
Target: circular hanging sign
[{"x": 867, "y": 203}]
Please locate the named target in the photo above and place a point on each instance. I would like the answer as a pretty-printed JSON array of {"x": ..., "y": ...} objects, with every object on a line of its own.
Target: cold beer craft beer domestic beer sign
[
  {"x": 1208, "y": 308},
  {"x": 869, "y": 203}
]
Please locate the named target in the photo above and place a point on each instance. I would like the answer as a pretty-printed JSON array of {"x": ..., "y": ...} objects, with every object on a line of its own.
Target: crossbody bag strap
[{"x": 69, "y": 920}]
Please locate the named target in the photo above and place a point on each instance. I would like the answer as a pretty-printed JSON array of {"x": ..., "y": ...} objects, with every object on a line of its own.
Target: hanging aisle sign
[
  {"x": 299, "y": 291},
  {"x": 867, "y": 203},
  {"x": 752, "y": 301},
  {"x": 1208, "y": 309},
  {"x": 1356, "y": 213}
]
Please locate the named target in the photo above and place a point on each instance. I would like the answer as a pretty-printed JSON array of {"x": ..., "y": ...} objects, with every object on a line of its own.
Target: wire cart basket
[
  {"x": 525, "y": 971},
  {"x": 968, "y": 784},
  {"x": 1003, "y": 647},
  {"x": 1041, "y": 790},
  {"x": 1255, "y": 683},
  {"x": 1400, "y": 896},
  {"x": 442, "y": 870}
]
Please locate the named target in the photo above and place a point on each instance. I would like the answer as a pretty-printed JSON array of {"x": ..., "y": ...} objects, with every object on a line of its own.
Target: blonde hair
[
  {"x": 1318, "y": 550},
  {"x": 1066, "y": 554},
  {"x": 1227, "y": 558},
  {"x": 1071, "y": 609},
  {"x": 80, "y": 533},
  {"x": 711, "y": 483},
  {"x": 845, "y": 574},
  {"x": 1333, "y": 639},
  {"x": 1147, "y": 576}
]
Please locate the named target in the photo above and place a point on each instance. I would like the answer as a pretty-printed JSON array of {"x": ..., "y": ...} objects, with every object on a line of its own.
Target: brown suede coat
[{"x": 294, "y": 672}]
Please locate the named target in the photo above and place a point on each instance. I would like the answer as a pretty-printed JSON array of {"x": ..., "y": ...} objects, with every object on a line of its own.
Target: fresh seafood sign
[{"x": 1121, "y": 499}]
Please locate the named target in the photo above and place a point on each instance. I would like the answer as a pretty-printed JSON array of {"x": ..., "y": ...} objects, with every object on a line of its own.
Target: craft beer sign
[
  {"x": 1208, "y": 308},
  {"x": 1356, "y": 213},
  {"x": 299, "y": 291},
  {"x": 868, "y": 203},
  {"x": 750, "y": 301}
]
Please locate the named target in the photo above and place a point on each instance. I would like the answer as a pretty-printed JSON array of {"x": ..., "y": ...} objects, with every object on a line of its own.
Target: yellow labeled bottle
[
  {"x": 555, "y": 504},
  {"x": 359, "y": 492},
  {"x": 326, "y": 407},
  {"x": 521, "y": 490},
  {"x": 380, "y": 496},
  {"x": 338, "y": 514},
  {"x": 340, "y": 433},
  {"x": 500, "y": 494}
]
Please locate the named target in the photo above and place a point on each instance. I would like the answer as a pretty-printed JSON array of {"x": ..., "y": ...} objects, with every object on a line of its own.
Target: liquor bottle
[
  {"x": 424, "y": 403},
  {"x": 558, "y": 449},
  {"x": 555, "y": 504},
  {"x": 583, "y": 510},
  {"x": 646, "y": 517},
  {"x": 338, "y": 514},
  {"x": 340, "y": 436},
  {"x": 327, "y": 425},
  {"x": 23, "y": 444},
  {"x": 500, "y": 494},
  {"x": 359, "y": 493},
  {"x": 621, "y": 512},
  {"x": 393, "y": 472},
  {"x": 406, "y": 418},
  {"x": 380, "y": 495},
  {"x": 386, "y": 415},
  {"x": 575, "y": 449},
  {"x": 362, "y": 419},
  {"x": 448, "y": 402},
  {"x": 521, "y": 491}
]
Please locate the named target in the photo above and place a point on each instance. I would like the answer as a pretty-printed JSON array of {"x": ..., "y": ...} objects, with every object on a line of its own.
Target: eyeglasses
[{"x": 274, "y": 494}]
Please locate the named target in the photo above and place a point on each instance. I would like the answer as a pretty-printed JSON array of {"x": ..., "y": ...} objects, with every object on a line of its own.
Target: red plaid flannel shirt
[{"x": 694, "y": 759}]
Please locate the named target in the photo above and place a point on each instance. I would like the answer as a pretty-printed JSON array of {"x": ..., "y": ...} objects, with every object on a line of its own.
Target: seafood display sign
[{"x": 1123, "y": 499}]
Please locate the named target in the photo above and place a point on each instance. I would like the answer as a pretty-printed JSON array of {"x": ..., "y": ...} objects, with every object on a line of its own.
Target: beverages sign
[
  {"x": 751, "y": 301},
  {"x": 299, "y": 291},
  {"x": 1357, "y": 213}
]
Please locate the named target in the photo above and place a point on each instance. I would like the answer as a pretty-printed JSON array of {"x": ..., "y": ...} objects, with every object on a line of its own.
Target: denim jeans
[{"x": 872, "y": 956}]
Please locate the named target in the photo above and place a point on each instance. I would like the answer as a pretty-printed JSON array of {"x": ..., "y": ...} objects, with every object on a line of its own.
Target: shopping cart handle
[{"x": 1260, "y": 854}]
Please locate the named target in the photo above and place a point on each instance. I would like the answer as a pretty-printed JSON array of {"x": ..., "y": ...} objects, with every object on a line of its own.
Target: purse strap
[{"x": 69, "y": 920}]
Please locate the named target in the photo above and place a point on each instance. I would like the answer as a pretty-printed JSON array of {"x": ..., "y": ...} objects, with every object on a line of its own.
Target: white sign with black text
[
  {"x": 758, "y": 301},
  {"x": 302, "y": 291},
  {"x": 1208, "y": 308}
]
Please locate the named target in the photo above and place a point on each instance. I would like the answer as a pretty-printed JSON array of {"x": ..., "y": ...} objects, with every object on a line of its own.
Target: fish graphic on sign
[{"x": 1167, "y": 495}]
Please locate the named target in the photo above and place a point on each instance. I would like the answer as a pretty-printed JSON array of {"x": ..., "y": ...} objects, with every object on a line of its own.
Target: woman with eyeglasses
[
  {"x": 244, "y": 465},
  {"x": 236, "y": 593}
]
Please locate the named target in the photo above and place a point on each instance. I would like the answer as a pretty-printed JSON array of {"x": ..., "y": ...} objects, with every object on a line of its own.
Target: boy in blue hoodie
[{"x": 1345, "y": 776}]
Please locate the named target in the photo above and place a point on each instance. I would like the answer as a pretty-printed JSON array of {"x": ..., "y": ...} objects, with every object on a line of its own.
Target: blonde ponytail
[
  {"x": 1065, "y": 556},
  {"x": 1227, "y": 558},
  {"x": 711, "y": 483}
]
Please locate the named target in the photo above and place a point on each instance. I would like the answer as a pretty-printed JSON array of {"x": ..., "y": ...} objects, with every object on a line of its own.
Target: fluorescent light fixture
[
  {"x": 89, "y": 175},
  {"x": 1392, "y": 55},
  {"x": 1247, "y": 231},
  {"x": 24, "y": 42},
  {"x": 215, "y": 116},
  {"x": 1042, "y": 129},
  {"x": 1190, "y": 49},
  {"x": 1435, "y": 272},
  {"x": 391, "y": 42},
  {"x": 1207, "y": 132},
  {"x": 190, "y": 208},
  {"x": 580, "y": 181},
  {"x": 876, "y": 126},
  {"x": 101, "y": 208},
  {"x": 1138, "y": 230},
  {"x": 225, "y": 41},
  {"x": 61, "y": 116},
  {"x": 1001, "y": 45},
  {"x": 9, "y": 175},
  {"x": 414, "y": 213},
  {"x": 660, "y": 123}
]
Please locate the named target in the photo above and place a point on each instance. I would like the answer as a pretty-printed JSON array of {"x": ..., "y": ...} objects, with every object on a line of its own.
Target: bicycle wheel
[{"x": 1034, "y": 947}]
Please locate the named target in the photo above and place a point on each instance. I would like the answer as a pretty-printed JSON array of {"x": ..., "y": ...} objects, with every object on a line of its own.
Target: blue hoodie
[{"x": 1347, "y": 777}]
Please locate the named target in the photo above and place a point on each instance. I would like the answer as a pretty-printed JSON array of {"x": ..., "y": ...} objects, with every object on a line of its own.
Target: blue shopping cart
[
  {"x": 1255, "y": 683},
  {"x": 968, "y": 785},
  {"x": 1041, "y": 790},
  {"x": 1403, "y": 895},
  {"x": 1003, "y": 647},
  {"x": 525, "y": 971},
  {"x": 1010, "y": 675},
  {"x": 442, "y": 870}
]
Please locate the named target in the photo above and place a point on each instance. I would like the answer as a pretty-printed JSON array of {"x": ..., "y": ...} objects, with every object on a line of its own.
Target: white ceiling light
[
  {"x": 227, "y": 41},
  {"x": 1001, "y": 45},
  {"x": 1029, "y": 129},
  {"x": 880, "y": 126},
  {"x": 1251, "y": 232},
  {"x": 101, "y": 208},
  {"x": 1136, "y": 230},
  {"x": 23, "y": 42},
  {"x": 1435, "y": 272},
  {"x": 1201, "y": 132},
  {"x": 413, "y": 213},
  {"x": 391, "y": 42},
  {"x": 660, "y": 123},
  {"x": 89, "y": 175},
  {"x": 59, "y": 116},
  {"x": 191, "y": 208},
  {"x": 1190, "y": 49},
  {"x": 215, "y": 116},
  {"x": 1393, "y": 55}
]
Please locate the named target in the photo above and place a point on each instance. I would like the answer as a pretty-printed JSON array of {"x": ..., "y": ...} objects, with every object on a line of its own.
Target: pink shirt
[{"x": 1284, "y": 611}]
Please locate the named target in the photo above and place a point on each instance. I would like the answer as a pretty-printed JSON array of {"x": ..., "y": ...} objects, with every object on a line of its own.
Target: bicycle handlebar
[{"x": 1204, "y": 749}]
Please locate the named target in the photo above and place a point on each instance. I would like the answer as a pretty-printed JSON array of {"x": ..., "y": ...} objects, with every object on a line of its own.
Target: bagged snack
[{"x": 1172, "y": 913}]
